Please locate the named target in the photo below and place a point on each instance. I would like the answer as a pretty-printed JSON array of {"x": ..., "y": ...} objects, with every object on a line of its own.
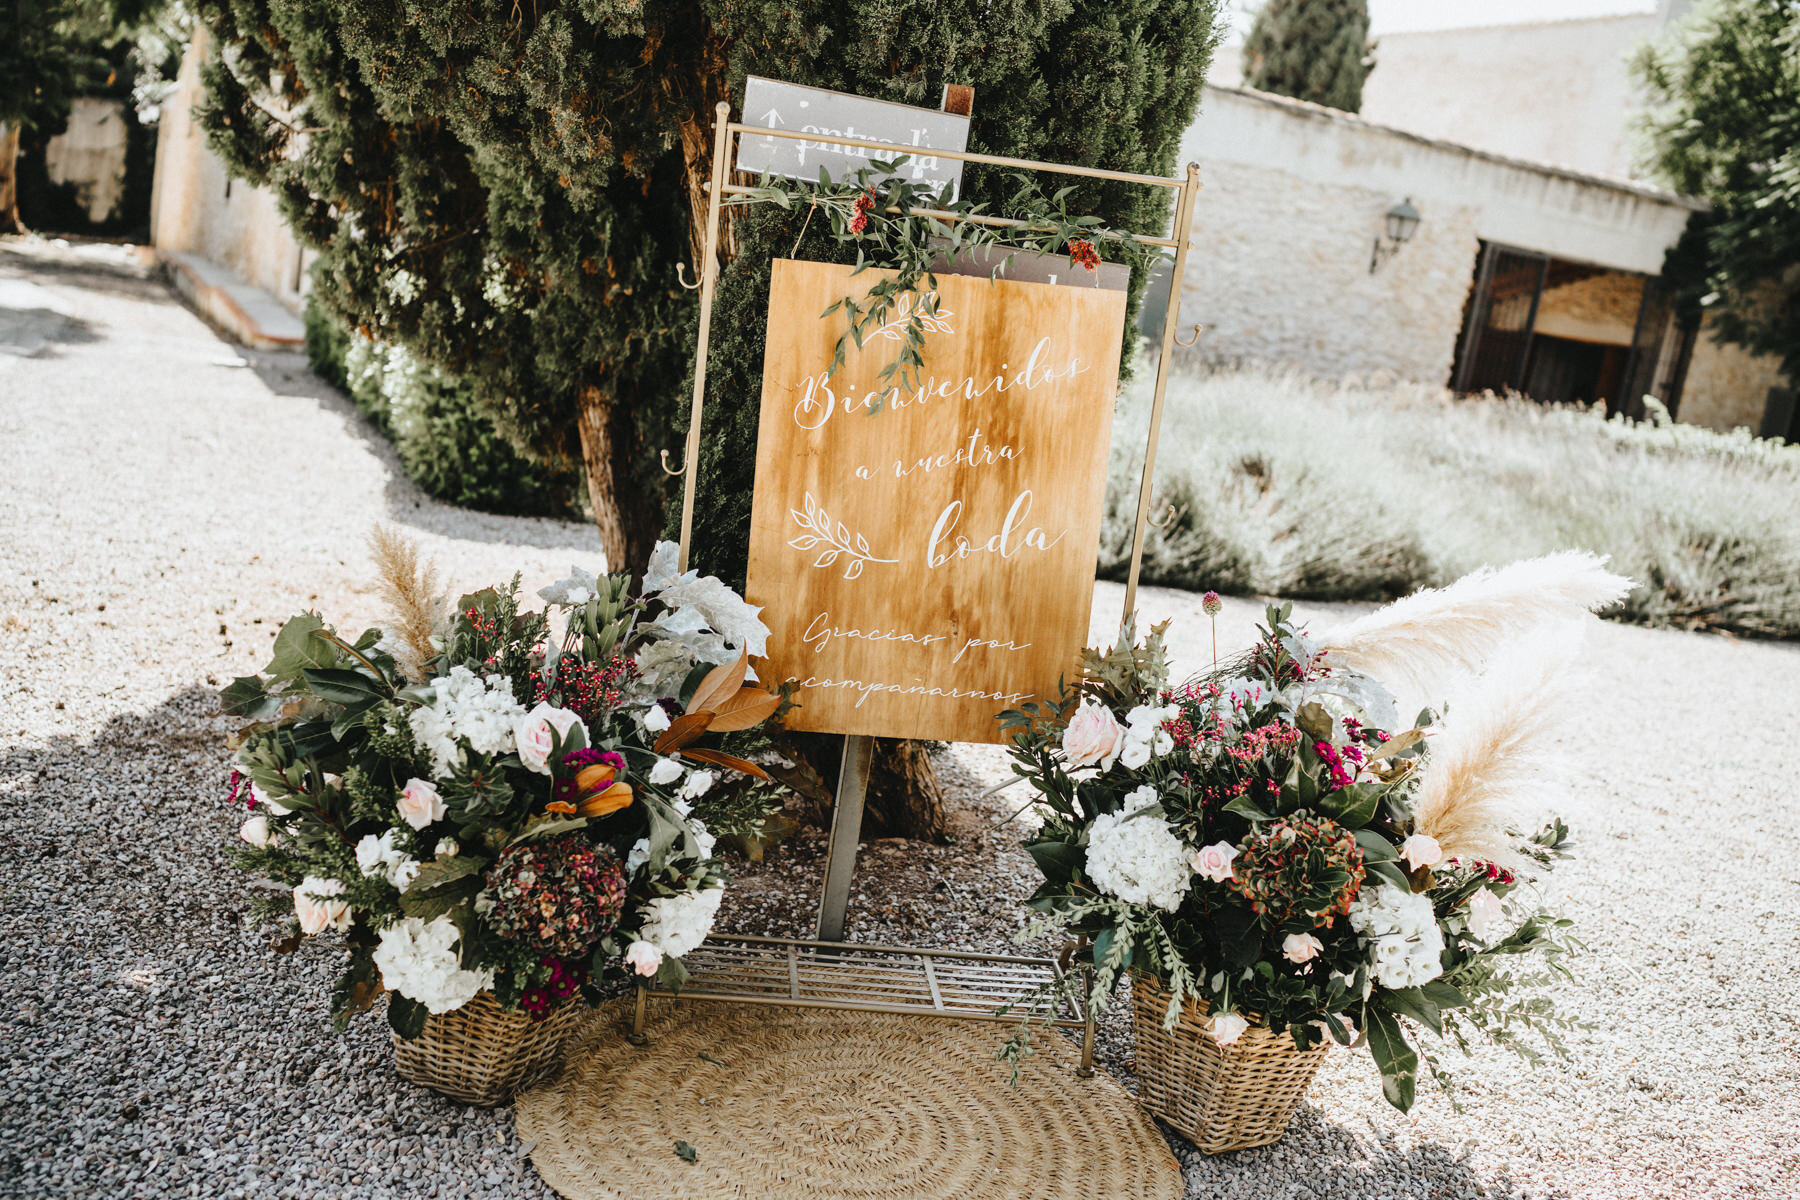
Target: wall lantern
[{"x": 1402, "y": 223}]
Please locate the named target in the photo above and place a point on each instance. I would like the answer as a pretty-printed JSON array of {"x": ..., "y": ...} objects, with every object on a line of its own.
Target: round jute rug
[{"x": 810, "y": 1104}]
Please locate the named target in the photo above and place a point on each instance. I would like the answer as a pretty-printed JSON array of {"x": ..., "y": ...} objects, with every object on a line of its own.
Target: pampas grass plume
[
  {"x": 1430, "y": 636},
  {"x": 414, "y": 597},
  {"x": 1494, "y": 752}
]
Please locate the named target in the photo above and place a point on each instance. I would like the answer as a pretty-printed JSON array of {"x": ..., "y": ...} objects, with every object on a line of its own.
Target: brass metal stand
[{"x": 828, "y": 972}]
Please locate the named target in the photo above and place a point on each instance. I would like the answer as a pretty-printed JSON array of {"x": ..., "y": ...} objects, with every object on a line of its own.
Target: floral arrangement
[
  {"x": 1274, "y": 844},
  {"x": 483, "y": 798}
]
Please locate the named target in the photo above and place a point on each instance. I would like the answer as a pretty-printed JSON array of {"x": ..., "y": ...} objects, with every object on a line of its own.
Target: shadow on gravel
[
  {"x": 287, "y": 374},
  {"x": 1322, "y": 1159}
]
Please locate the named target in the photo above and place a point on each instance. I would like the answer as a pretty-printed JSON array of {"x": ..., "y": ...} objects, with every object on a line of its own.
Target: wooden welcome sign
[{"x": 925, "y": 554}]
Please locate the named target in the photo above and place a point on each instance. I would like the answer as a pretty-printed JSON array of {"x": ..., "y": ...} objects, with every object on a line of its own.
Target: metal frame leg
[
  {"x": 640, "y": 1012},
  {"x": 1086, "y": 1069},
  {"x": 846, "y": 833}
]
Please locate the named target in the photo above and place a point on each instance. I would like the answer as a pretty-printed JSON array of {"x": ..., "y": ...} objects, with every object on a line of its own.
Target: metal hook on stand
[
  {"x": 1168, "y": 519},
  {"x": 682, "y": 279},
  {"x": 1198, "y": 329},
  {"x": 667, "y": 470}
]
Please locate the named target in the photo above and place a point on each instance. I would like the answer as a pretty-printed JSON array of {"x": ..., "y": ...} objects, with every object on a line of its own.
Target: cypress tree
[
  {"x": 1317, "y": 50},
  {"x": 505, "y": 190}
]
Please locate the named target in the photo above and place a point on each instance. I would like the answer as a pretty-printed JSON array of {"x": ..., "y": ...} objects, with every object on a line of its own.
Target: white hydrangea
[
  {"x": 676, "y": 924},
  {"x": 380, "y": 856},
  {"x": 480, "y": 712},
  {"x": 1145, "y": 737},
  {"x": 1138, "y": 859},
  {"x": 1405, "y": 944},
  {"x": 419, "y": 960}
]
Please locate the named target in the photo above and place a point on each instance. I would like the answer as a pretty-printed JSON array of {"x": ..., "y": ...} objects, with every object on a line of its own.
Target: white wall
[{"x": 195, "y": 208}]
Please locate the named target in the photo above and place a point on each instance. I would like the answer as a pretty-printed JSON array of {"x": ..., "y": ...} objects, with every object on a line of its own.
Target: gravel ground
[{"x": 166, "y": 499}]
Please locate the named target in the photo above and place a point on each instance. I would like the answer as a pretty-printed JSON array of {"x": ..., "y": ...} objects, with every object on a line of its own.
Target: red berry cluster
[
  {"x": 593, "y": 691},
  {"x": 860, "y": 221},
  {"x": 1084, "y": 254}
]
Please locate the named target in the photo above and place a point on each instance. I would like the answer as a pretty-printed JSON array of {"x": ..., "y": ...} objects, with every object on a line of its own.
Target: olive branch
[{"x": 819, "y": 530}]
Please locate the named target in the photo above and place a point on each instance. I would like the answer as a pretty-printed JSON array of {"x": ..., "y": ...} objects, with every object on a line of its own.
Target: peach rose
[
  {"x": 1228, "y": 1028},
  {"x": 1421, "y": 850},
  {"x": 420, "y": 803},
  {"x": 1093, "y": 737},
  {"x": 1301, "y": 947},
  {"x": 1214, "y": 862},
  {"x": 643, "y": 958},
  {"x": 317, "y": 906}
]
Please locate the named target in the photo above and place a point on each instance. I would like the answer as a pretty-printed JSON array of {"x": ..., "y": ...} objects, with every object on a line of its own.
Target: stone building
[{"x": 1517, "y": 275}]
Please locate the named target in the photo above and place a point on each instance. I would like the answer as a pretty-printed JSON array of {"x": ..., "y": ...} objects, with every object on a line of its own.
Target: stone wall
[
  {"x": 196, "y": 208},
  {"x": 1281, "y": 274},
  {"x": 1727, "y": 386}
]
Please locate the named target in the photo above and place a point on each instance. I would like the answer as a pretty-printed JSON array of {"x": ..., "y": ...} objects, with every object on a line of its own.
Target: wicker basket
[
  {"x": 1218, "y": 1097},
  {"x": 482, "y": 1054}
]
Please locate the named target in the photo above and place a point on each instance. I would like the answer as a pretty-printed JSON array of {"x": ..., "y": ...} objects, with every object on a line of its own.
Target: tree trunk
[
  {"x": 629, "y": 519},
  {"x": 904, "y": 796},
  {"x": 9, "y": 179}
]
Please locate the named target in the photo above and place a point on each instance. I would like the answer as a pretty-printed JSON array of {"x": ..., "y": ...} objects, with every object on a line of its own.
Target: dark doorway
[{"x": 1565, "y": 332}]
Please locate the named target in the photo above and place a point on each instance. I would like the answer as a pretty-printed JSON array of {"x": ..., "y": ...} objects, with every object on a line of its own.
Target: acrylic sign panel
[{"x": 925, "y": 556}]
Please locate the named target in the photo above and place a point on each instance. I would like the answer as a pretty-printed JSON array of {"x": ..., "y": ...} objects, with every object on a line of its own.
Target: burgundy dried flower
[
  {"x": 560, "y": 895},
  {"x": 1211, "y": 605}
]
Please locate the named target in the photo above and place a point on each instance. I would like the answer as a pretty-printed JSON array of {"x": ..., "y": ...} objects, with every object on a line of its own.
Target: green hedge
[{"x": 445, "y": 444}]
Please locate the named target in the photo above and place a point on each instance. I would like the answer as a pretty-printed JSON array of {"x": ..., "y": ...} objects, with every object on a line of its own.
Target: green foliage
[
  {"x": 1722, "y": 122},
  {"x": 1289, "y": 486},
  {"x": 505, "y": 190},
  {"x": 1316, "y": 50},
  {"x": 447, "y": 443}
]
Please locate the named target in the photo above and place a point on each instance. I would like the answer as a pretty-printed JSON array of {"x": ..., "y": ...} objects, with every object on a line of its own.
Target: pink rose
[
  {"x": 1214, "y": 862},
  {"x": 1228, "y": 1028},
  {"x": 643, "y": 958},
  {"x": 1093, "y": 736},
  {"x": 1300, "y": 947},
  {"x": 1484, "y": 915},
  {"x": 420, "y": 803},
  {"x": 1421, "y": 850},
  {"x": 537, "y": 732},
  {"x": 317, "y": 905}
]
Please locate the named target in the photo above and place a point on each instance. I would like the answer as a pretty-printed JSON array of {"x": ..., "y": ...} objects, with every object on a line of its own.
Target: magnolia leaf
[
  {"x": 296, "y": 649},
  {"x": 683, "y": 730},
  {"x": 1375, "y": 847},
  {"x": 406, "y": 1016},
  {"x": 750, "y": 707},
  {"x": 343, "y": 686},
  {"x": 1398, "y": 1063},
  {"x": 245, "y": 697},
  {"x": 1314, "y": 721},
  {"x": 720, "y": 759},
  {"x": 538, "y": 830},
  {"x": 720, "y": 684},
  {"x": 443, "y": 870}
]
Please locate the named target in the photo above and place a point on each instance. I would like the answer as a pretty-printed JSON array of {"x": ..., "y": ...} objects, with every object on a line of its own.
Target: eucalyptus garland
[{"x": 907, "y": 228}]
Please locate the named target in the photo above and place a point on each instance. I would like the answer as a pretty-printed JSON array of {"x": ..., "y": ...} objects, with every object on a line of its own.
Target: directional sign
[{"x": 913, "y": 131}]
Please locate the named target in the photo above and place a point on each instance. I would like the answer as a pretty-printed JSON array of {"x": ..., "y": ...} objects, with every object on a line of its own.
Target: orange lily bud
[
  {"x": 609, "y": 801},
  {"x": 595, "y": 776}
]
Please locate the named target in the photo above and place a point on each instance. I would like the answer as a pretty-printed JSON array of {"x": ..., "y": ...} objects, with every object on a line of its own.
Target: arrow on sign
[{"x": 773, "y": 118}]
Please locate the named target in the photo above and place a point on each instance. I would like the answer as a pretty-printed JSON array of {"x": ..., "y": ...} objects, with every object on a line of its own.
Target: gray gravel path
[{"x": 165, "y": 499}]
